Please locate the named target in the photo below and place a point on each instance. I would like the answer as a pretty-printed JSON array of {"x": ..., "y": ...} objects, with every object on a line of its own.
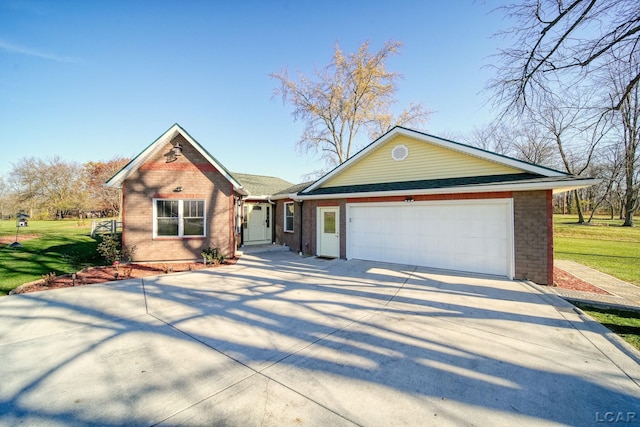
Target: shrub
[
  {"x": 212, "y": 256},
  {"x": 49, "y": 278},
  {"x": 112, "y": 251},
  {"x": 109, "y": 248}
]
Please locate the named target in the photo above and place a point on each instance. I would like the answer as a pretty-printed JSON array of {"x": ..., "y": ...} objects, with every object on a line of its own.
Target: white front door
[
  {"x": 258, "y": 225},
  {"x": 329, "y": 232}
]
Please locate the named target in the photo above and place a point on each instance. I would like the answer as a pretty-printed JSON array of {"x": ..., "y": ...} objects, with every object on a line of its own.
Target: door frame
[
  {"x": 267, "y": 223},
  {"x": 320, "y": 251}
]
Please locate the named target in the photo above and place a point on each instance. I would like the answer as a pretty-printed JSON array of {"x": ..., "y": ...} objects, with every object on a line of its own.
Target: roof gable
[
  {"x": 159, "y": 144},
  {"x": 427, "y": 158}
]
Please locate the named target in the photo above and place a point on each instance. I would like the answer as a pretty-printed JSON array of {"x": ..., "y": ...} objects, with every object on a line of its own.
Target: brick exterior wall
[
  {"x": 309, "y": 230},
  {"x": 533, "y": 236},
  {"x": 157, "y": 178},
  {"x": 533, "y": 228},
  {"x": 290, "y": 239}
]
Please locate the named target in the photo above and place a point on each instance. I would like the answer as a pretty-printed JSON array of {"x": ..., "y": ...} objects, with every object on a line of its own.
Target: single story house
[{"x": 408, "y": 197}]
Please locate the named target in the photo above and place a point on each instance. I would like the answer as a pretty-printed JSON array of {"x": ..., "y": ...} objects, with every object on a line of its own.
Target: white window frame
[
  {"x": 181, "y": 218},
  {"x": 293, "y": 214}
]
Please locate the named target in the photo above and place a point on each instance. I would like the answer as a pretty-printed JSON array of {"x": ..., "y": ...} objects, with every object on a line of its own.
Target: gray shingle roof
[
  {"x": 296, "y": 188},
  {"x": 261, "y": 185},
  {"x": 429, "y": 184}
]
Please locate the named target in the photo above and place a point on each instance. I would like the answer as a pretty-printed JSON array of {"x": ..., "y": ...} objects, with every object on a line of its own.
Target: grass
[
  {"x": 608, "y": 247},
  {"x": 604, "y": 245},
  {"x": 626, "y": 324},
  {"x": 62, "y": 247}
]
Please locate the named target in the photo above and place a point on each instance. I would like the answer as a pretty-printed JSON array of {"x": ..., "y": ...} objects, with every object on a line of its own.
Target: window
[
  {"x": 288, "y": 217},
  {"x": 179, "y": 218},
  {"x": 167, "y": 217},
  {"x": 193, "y": 218}
]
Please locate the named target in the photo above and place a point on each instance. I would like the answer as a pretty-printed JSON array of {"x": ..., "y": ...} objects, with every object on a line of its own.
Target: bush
[
  {"x": 49, "y": 278},
  {"x": 111, "y": 249},
  {"x": 212, "y": 256}
]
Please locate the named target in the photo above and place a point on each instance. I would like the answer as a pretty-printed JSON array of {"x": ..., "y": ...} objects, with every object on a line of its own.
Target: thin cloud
[{"x": 21, "y": 50}]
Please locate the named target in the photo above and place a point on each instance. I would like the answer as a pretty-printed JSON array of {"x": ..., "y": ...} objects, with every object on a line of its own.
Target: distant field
[
  {"x": 603, "y": 245},
  {"x": 61, "y": 247}
]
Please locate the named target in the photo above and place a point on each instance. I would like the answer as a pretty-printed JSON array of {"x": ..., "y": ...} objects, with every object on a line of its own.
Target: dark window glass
[
  {"x": 167, "y": 217},
  {"x": 288, "y": 216}
]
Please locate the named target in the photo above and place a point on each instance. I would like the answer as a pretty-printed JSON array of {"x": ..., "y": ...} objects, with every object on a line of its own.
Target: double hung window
[
  {"x": 179, "y": 218},
  {"x": 288, "y": 216}
]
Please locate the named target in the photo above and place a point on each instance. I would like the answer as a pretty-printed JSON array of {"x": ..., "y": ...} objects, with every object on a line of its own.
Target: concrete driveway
[{"x": 283, "y": 340}]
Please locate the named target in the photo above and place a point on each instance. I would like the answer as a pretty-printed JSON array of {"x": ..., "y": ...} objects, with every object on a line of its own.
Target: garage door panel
[{"x": 471, "y": 236}]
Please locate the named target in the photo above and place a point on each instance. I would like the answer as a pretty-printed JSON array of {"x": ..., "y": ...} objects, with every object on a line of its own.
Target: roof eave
[
  {"x": 285, "y": 196},
  {"x": 556, "y": 186},
  {"x": 118, "y": 179},
  {"x": 250, "y": 197}
]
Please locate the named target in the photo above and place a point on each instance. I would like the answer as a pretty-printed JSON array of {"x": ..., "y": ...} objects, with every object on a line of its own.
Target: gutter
[{"x": 559, "y": 187}]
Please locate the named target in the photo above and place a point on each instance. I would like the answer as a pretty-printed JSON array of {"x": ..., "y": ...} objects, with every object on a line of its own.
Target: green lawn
[
  {"x": 626, "y": 324},
  {"x": 603, "y": 245},
  {"x": 606, "y": 246},
  {"x": 62, "y": 247}
]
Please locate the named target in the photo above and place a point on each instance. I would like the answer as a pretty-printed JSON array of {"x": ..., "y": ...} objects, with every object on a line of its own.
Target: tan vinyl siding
[{"x": 425, "y": 161}]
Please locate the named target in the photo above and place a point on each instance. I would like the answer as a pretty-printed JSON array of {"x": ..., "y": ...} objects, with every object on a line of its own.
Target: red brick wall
[
  {"x": 292, "y": 240},
  {"x": 533, "y": 235},
  {"x": 158, "y": 178},
  {"x": 309, "y": 230},
  {"x": 533, "y": 227}
]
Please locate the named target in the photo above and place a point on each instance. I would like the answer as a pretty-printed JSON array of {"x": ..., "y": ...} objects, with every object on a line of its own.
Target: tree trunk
[
  {"x": 621, "y": 216},
  {"x": 579, "y": 207},
  {"x": 629, "y": 206}
]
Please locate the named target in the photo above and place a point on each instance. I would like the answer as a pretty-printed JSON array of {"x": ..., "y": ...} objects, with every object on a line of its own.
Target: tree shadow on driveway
[{"x": 358, "y": 342}]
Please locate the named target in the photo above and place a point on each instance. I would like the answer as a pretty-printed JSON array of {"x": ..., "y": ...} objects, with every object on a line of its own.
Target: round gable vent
[{"x": 399, "y": 152}]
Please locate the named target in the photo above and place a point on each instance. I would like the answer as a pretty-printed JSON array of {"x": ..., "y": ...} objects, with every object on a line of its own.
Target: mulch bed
[
  {"x": 562, "y": 279},
  {"x": 93, "y": 275}
]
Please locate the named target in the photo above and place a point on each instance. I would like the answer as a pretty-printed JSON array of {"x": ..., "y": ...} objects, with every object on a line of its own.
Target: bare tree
[
  {"x": 497, "y": 137},
  {"x": 557, "y": 40},
  {"x": 354, "y": 93},
  {"x": 628, "y": 119},
  {"x": 518, "y": 140},
  {"x": 608, "y": 169},
  {"x": 575, "y": 130},
  {"x": 4, "y": 190}
]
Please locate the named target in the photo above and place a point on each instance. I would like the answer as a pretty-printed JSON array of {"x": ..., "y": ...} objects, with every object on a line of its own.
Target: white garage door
[{"x": 474, "y": 236}]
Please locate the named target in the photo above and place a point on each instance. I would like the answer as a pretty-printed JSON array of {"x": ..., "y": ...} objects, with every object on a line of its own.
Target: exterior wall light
[
  {"x": 174, "y": 153},
  {"x": 177, "y": 189},
  {"x": 408, "y": 199}
]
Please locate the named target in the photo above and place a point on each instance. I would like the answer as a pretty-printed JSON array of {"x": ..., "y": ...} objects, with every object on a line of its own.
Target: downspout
[
  {"x": 241, "y": 222},
  {"x": 123, "y": 239},
  {"x": 272, "y": 219},
  {"x": 300, "y": 252}
]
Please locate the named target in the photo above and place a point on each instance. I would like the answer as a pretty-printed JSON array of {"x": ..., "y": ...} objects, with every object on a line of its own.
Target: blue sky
[{"x": 91, "y": 80}]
